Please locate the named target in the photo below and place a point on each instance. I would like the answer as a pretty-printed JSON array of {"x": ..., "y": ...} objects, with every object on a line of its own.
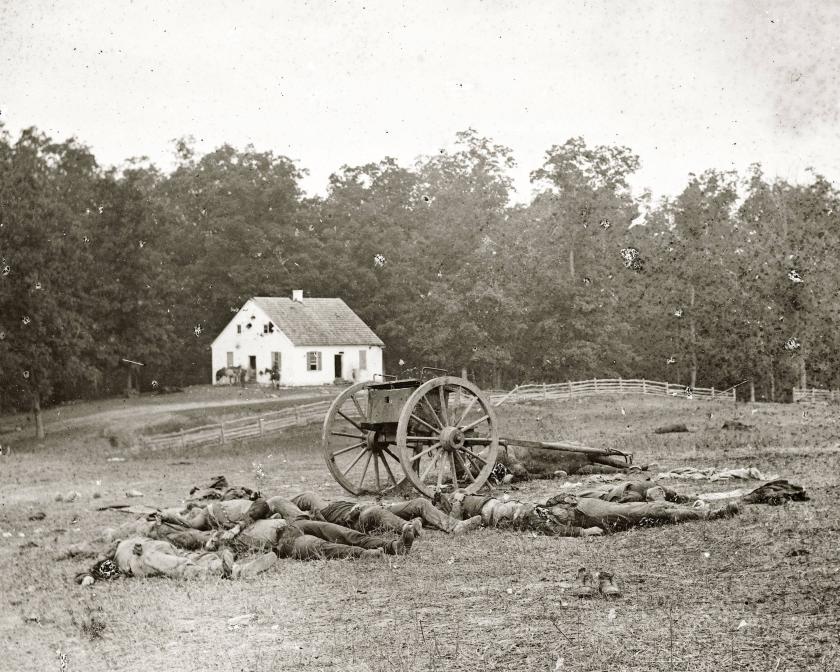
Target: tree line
[{"x": 735, "y": 278}]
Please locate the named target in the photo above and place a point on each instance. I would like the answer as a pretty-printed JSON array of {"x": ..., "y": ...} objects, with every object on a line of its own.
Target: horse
[{"x": 232, "y": 373}]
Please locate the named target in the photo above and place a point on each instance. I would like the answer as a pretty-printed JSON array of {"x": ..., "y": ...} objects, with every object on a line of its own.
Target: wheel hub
[
  {"x": 372, "y": 439},
  {"x": 452, "y": 438}
]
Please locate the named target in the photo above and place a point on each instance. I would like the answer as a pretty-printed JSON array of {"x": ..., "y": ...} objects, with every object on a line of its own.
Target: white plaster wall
[
  {"x": 350, "y": 371},
  {"x": 251, "y": 342},
  {"x": 293, "y": 358}
]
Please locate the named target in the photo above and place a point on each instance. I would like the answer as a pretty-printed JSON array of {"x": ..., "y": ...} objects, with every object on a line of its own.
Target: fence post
[
  {"x": 595, "y": 380},
  {"x": 812, "y": 395},
  {"x": 713, "y": 392},
  {"x": 752, "y": 392},
  {"x": 666, "y": 388},
  {"x": 570, "y": 388},
  {"x": 183, "y": 442},
  {"x": 545, "y": 394},
  {"x": 222, "y": 432},
  {"x": 644, "y": 386},
  {"x": 261, "y": 426},
  {"x": 620, "y": 384}
]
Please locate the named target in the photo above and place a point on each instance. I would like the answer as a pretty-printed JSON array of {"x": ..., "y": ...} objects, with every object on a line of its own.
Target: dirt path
[{"x": 134, "y": 411}]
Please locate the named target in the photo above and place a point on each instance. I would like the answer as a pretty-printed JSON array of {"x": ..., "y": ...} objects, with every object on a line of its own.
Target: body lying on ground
[
  {"x": 195, "y": 554},
  {"x": 216, "y": 515},
  {"x": 143, "y": 556},
  {"x": 368, "y": 516},
  {"x": 571, "y": 516},
  {"x": 533, "y": 463},
  {"x": 624, "y": 492},
  {"x": 776, "y": 491},
  {"x": 311, "y": 539}
]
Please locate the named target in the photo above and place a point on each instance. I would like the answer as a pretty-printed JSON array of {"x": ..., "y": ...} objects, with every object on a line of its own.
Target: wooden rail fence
[
  {"x": 814, "y": 394},
  {"x": 243, "y": 428},
  {"x": 597, "y": 386},
  {"x": 269, "y": 423}
]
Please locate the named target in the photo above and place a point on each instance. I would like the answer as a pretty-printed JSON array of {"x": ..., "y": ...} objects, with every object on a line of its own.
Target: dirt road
[{"x": 140, "y": 410}]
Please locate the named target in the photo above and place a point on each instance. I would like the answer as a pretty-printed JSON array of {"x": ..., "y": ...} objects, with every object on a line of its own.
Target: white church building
[{"x": 311, "y": 341}]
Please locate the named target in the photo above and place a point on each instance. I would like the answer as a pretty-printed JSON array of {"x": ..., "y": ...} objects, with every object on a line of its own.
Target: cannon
[{"x": 436, "y": 433}]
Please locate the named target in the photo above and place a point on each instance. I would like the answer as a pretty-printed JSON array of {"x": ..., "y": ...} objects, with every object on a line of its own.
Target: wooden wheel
[
  {"x": 359, "y": 457},
  {"x": 447, "y": 436}
]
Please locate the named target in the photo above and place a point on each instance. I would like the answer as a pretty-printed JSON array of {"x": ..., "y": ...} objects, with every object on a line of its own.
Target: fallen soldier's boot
[
  {"x": 584, "y": 584},
  {"x": 440, "y": 501},
  {"x": 467, "y": 525},
  {"x": 228, "y": 564},
  {"x": 403, "y": 545},
  {"x": 727, "y": 511},
  {"x": 245, "y": 570},
  {"x": 417, "y": 524},
  {"x": 607, "y": 586}
]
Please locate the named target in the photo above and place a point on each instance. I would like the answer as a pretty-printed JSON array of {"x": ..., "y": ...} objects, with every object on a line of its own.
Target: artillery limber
[{"x": 436, "y": 433}]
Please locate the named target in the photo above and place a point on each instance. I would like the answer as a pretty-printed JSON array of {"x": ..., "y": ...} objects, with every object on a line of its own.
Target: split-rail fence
[
  {"x": 814, "y": 394},
  {"x": 269, "y": 423},
  {"x": 242, "y": 428},
  {"x": 598, "y": 386}
]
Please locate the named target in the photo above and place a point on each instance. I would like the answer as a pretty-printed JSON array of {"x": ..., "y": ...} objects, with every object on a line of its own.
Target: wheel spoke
[
  {"x": 466, "y": 467},
  {"x": 388, "y": 468},
  {"x": 419, "y": 419},
  {"x": 473, "y": 456},
  {"x": 349, "y": 436},
  {"x": 466, "y": 411},
  {"x": 454, "y": 469},
  {"x": 394, "y": 457},
  {"x": 444, "y": 411},
  {"x": 434, "y": 412},
  {"x": 429, "y": 467},
  {"x": 347, "y": 450},
  {"x": 467, "y": 428},
  {"x": 364, "y": 471},
  {"x": 353, "y": 463},
  {"x": 358, "y": 408},
  {"x": 420, "y": 454},
  {"x": 352, "y": 422}
]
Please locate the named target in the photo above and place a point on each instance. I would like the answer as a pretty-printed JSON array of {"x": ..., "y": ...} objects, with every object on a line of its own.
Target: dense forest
[{"x": 735, "y": 278}]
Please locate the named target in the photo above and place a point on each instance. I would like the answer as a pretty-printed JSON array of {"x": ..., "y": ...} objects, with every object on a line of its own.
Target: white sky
[{"x": 687, "y": 85}]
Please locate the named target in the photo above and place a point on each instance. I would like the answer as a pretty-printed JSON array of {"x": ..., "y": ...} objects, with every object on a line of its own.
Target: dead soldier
[
  {"x": 368, "y": 516},
  {"x": 303, "y": 539},
  {"x": 218, "y": 514},
  {"x": 142, "y": 556},
  {"x": 568, "y": 515}
]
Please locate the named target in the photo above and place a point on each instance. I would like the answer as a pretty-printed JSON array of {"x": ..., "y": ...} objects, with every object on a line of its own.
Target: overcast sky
[{"x": 686, "y": 85}]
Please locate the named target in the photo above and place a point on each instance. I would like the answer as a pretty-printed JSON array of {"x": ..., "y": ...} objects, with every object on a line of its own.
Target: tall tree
[
  {"x": 48, "y": 194},
  {"x": 702, "y": 228}
]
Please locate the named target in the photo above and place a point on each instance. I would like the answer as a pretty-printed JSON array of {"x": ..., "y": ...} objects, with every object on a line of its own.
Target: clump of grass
[{"x": 91, "y": 622}]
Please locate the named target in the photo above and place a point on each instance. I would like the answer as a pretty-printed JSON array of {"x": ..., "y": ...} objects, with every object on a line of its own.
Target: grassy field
[{"x": 758, "y": 592}]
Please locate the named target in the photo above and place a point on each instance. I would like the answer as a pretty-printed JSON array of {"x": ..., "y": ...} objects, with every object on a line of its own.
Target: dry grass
[{"x": 490, "y": 601}]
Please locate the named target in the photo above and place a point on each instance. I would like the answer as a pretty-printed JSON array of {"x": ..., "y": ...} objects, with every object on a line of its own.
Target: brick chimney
[{"x": 297, "y": 295}]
